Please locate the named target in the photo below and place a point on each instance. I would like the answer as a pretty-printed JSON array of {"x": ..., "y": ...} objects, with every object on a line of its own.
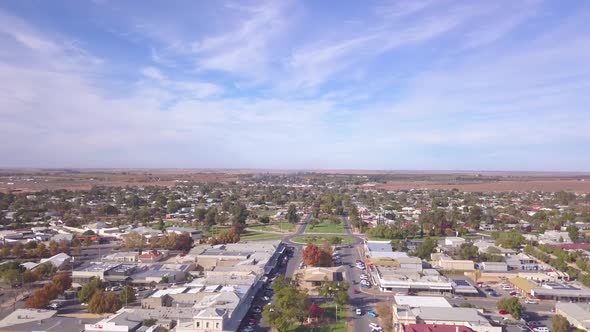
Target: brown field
[
  {"x": 52, "y": 180},
  {"x": 550, "y": 185}
]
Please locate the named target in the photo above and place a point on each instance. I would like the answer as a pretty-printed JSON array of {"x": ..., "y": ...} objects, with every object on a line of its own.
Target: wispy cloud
[{"x": 407, "y": 84}]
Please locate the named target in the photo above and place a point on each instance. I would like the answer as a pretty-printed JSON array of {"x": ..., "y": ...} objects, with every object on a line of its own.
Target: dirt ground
[
  {"x": 37, "y": 181},
  {"x": 550, "y": 185}
]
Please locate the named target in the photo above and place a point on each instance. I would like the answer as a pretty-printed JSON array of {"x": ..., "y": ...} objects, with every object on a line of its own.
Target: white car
[
  {"x": 364, "y": 277},
  {"x": 358, "y": 312},
  {"x": 529, "y": 301},
  {"x": 541, "y": 329},
  {"x": 375, "y": 327}
]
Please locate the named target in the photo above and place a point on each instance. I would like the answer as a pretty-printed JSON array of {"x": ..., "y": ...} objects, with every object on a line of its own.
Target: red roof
[
  {"x": 573, "y": 246},
  {"x": 435, "y": 328}
]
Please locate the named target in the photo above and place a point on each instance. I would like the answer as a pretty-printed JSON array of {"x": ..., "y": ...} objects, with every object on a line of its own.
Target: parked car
[
  {"x": 503, "y": 312},
  {"x": 375, "y": 327},
  {"x": 530, "y": 301},
  {"x": 359, "y": 312},
  {"x": 371, "y": 313},
  {"x": 541, "y": 329}
]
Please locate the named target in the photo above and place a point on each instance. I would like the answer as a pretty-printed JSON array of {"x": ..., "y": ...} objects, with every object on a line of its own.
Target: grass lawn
[
  {"x": 275, "y": 227},
  {"x": 257, "y": 236},
  {"x": 320, "y": 239},
  {"x": 329, "y": 314},
  {"x": 325, "y": 226}
]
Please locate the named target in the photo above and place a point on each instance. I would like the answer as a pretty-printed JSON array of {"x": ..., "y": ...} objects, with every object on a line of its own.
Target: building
[
  {"x": 454, "y": 242},
  {"x": 194, "y": 233},
  {"x": 435, "y": 328},
  {"x": 400, "y": 280},
  {"x": 554, "y": 237},
  {"x": 522, "y": 262},
  {"x": 123, "y": 257},
  {"x": 561, "y": 291},
  {"x": 435, "y": 311},
  {"x": 381, "y": 249},
  {"x": 58, "y": 261},
  {"x": 578, "y": 314},
  {"x": 447, "y": 263},
  {"x": 311, "y": 278},
  {"x": 40, "y": 320},
  {"x": 494, "y": 266},
  {"x": 152, "y": 256}
]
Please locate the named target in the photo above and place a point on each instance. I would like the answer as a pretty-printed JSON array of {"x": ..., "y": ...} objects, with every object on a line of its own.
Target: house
[
  {"x": 454, "y": 242},
  {"x": 494, "y": 266},
  {"x": 522, "y": 262}
]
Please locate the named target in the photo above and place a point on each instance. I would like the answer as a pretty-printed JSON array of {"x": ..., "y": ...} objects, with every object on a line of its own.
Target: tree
[
  {"x": 512, "y": 306},
  {"x": 292, "y": 216},
  {"x": 41, "y": 250},
  {"x": 11, "y": 276},
  {"x": 134, "y": 240},
  {"x": 87, "y": 291},
  {"x": 211, "y": 217},
  {"x": 573, "y": 232},
  {"x": 559, "y": 324},
  {"x": 101, "y": 303},
  {"x": 335, "y": 240},
  {"x": 311, "y": 255},
  {"x": 62, "y": 281},
  {"x": 18, "y": 250},
  {"x": 426, "y": 248},
  {"x": 127, "y": 295},
  {"x": 468, "y": 251},
  {"x": 290, "y": 307},
  {"x": 264, "y": 219},
  {"x": 509, "y": 240}
]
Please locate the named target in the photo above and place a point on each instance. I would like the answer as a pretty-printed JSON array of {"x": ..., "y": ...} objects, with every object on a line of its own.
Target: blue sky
[{"x": 425, "y": 85}]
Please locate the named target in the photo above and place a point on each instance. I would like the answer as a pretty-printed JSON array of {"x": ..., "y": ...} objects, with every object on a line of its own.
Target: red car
[
  {"x": 356, "y": 291},
  {"x": 502, "y": 312}
]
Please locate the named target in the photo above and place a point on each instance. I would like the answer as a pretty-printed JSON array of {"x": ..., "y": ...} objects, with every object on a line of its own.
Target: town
[{"x": 294, "y": 252}]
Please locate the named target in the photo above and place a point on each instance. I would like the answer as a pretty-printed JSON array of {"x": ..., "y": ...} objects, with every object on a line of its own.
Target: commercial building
[
  {"x": 561, "y": 291},
  {"x": 578, "y": 314},
  {"x": 522, "y": 262},
  {"x": 494, "y": 266},
  {"x": 434, "y": 311},
  {"x": 311, "y": 278},
  {"x": 405, "y": 280},
  {"x": 382, "y": 249}
]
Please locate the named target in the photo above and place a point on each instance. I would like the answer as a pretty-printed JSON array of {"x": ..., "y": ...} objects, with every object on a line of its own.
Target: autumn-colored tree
[
  {"x": 311, "y": 255},
  {"x": 64, "y": 247},
  {"x": 53, "y": 248},
  {"x": 134, "y": 240},
  {"x": 29, "y": 276},
  {"x": 62, "y": 281},
  {"x": 183, "y": 242},
  {"x": 18, "y": 250},
  {"x": 38, "y": 300},
  {"x": 41, "y": 250}
]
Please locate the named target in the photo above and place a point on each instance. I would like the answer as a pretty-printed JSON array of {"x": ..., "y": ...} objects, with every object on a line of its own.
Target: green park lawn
[
  {"x": 274, "y": 227},
  {"x": 257, "y": 236},
  {"x": 325, "y": 226},
  {"x": 320, "y": 239}
]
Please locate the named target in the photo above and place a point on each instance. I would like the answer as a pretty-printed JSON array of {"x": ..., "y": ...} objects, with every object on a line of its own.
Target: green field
[
  {"x": 325, "y": 226},
  {"x": 257, "y": 236},
  {"x": 275, "y": 227},
  {"x": 320, "y": 239},
  {"x": 329, "y": 315}
]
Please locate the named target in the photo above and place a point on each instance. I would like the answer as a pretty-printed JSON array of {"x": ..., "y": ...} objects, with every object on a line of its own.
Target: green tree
[
  {"x": 426, "y": 248},
  {"x": 573, "y": 232},
  {"x": 468, "y": 251},
  {"x": 290, "y": 307},
  {"x": 127, "y": 295},
  {"x": 559, "y": 324},
  {"x": 88, "y": 290},
  {"x": 512, "y": 306},
  {"x": 292, "y": 216}
]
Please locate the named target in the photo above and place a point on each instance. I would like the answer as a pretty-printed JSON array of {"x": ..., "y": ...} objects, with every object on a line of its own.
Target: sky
[{"x": 387, "y": 85}]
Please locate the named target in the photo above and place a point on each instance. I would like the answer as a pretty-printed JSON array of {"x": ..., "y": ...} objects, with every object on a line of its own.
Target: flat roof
[{"x": 422, "y": 301}]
